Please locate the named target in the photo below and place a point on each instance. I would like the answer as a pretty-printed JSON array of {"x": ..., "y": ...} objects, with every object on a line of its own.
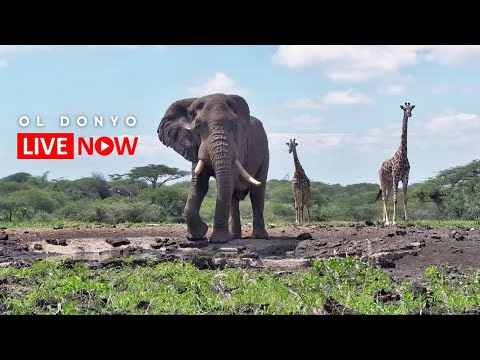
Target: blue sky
[{"x": 340, "y": 102}]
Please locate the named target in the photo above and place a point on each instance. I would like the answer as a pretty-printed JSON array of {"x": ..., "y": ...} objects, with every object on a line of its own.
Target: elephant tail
[{"x": 378, "y": 195}]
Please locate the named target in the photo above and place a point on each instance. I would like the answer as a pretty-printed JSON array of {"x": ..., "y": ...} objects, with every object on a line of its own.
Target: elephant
[{"x": 219, "y": 137}]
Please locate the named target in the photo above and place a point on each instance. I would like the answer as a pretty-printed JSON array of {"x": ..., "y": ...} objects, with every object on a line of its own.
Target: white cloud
[
  {"x": 304, "y": 103},
  {"x": 348, "y": 62},
  {"x": 357, "y": 63},
  {"x": 341, "y": 97},
  {"x": 454, "y": 55},
  {"x": 348, "y": 97},
  {"x": 453, "y": 123},
  {"x": 219, "y": 83},
  {"x": 393, "y": 89}
]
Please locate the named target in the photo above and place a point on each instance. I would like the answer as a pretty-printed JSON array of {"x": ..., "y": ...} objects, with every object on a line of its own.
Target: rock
[
  {"x": 227, "y": 249},
  {"x": 162, "y": 240},
  {"x": 249, "y": 255},
  {"x": 436, "y": 237},
  {"x": 194, "y": 244},
  {"x": 116, "y": 242},
  {"x": 472, "y": 229},
  {"x": 283, "y": 231},
  {"x": 241, "y": 248},
  {"x": 457, "y": 251},
  {"x": 460, "y": 238},
  {"x": 132, "y": 250},
  {"x": 271, "y": 226},
  {"x": 390, "y": 234},
  {"x": 38, "y": 247},
  {"x": 3, "y": 235},
  {"x": 57, "y": 227},
  {"x": 369, "y": 223},
  {"x": 59, "y": 242},
  {"x": 219, "y": 262},
  {"x": 26, "y": 232},
  {"x": 156, "y": 246},
  {"x": 401, "y": 232},
  {"x": 417, "y": 244},
  {"x": 304, "y": 236},
  {"x": 454, "y": 233}
]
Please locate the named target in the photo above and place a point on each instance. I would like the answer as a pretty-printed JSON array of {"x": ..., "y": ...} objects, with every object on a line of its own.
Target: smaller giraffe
[
  {"x": 395, "y": 170},
  {"x": 300, "y": 185}
]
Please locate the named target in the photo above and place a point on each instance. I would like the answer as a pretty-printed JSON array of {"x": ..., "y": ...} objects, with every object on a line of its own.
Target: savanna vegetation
[
  {"x": 336, "y": 286},
  {"x": 147, "y": 194}
]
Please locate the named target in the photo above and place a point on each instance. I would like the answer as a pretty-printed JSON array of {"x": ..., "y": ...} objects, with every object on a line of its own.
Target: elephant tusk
[
  {"x": 246, "y": 175},
  {"x": 199, "y": 167}
]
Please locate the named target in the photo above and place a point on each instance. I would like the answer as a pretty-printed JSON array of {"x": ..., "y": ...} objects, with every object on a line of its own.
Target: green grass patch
[{"x": 60, "y": 287}]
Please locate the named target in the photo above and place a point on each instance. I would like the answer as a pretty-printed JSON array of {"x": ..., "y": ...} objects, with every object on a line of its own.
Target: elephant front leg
[
  {"x": 220, "y": 233},
  {"x": 235, "y": 226},
  {"x": 197, "y": 229}
]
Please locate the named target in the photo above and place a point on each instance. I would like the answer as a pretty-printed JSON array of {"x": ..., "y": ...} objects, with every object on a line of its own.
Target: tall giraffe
[
  {"x": 300, "y": 185},
  {"x": 395, "y": 170}
]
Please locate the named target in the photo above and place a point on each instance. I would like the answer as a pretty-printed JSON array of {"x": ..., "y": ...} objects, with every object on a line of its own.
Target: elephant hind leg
[
  {"x": 234, "y": 224},
  {"x": 257, "y": 197}
]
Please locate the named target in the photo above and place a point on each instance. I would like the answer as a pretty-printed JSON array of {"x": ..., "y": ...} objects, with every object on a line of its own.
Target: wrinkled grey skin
[{"x": 218, "y": 129}]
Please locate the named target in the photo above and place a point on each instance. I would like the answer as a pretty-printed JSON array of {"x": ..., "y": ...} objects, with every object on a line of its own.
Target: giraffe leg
[
  {"x": 405, "y": 185},
  {"x": 386, "y": 222},
  {"x": 307, "y": 203},
  {"x": 297, "y": 208},
  {"x": 395, "y": 191}
]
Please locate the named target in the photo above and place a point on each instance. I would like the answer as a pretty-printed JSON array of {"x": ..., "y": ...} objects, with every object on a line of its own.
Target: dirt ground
[{"x": 403, "y": 252}]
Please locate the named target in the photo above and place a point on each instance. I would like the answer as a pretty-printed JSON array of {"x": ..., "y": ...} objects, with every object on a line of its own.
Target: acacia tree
[
  {"x": 455, "y": 191},
  {"x": 157, "y": 175}
]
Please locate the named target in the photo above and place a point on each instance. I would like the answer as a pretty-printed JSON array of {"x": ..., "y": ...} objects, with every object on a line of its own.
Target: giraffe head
[
  {"x": 407, "y": 109},
  {"x": 291, "y": 145}
]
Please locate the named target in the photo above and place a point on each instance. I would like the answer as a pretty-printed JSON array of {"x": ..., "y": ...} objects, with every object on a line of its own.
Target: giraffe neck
[
  {"x": 298, "y": 166},
  {"x": 403, "y": 140}
]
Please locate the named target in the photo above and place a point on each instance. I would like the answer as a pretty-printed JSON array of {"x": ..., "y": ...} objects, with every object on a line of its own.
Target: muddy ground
[{"x": 403, "y": 252}]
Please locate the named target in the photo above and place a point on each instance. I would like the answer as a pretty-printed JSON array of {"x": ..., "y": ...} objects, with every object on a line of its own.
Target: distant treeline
[{"x": 144, "y": 195}]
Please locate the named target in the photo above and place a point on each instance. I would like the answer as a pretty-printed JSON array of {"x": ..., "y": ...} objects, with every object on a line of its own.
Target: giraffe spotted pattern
[
  {"x": 395, "y": 170},
  {"x": 300, "y": 185}
]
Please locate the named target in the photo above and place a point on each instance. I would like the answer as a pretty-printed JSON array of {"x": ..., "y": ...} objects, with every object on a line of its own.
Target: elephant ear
[
  {"x": 243, "y": 113},
  {"x": 175, "y": 130},
  {"x": 242, "y": 107}
]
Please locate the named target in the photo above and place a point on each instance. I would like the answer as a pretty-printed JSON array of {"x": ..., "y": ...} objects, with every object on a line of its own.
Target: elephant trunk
[{"x": 221, "y": 157}]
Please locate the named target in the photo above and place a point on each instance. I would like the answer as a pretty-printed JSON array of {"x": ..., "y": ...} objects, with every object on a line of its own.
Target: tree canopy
[{"x": 156, "y": 175}]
